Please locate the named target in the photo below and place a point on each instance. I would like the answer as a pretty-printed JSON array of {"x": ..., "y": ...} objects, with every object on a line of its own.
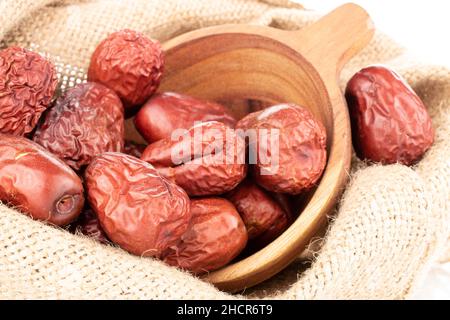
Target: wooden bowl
[{"x": 254, "y": 62}]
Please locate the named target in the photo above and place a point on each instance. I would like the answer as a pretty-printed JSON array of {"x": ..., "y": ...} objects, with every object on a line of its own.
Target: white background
[{"x": 423, "y": 27}]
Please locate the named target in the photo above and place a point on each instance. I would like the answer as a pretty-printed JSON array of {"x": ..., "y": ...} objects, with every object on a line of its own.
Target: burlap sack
[{"x": 392, "y": 222}]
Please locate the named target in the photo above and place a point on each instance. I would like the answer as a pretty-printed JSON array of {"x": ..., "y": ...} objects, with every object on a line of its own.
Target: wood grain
[{"x": 241, "y": 62}]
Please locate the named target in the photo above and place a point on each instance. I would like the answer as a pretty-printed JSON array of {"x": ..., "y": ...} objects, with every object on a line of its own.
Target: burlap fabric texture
[{"x": 392, "y": 221}]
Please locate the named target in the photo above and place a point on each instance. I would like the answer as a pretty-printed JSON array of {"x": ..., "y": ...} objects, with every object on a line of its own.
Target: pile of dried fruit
[{"x": 204, "y": 188}]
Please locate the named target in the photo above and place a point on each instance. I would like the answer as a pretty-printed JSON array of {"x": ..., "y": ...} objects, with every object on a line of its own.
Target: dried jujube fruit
[
  {"x": 288, "y": 147},
  {"x": 129, "y": 63},
  {"x": 286, "y": 202},
  {"x": 216, "y": 235},
  {"x": 389, "y": 121},
  {"x": 258, "y": 105},
  {"x": 137, "y": 208},
  {"x": 86, "y": 121},
  {"x": 134, "y": 149},
  {"x": 38, "y": 183},
  {"x": 166, "y": 112},
  {"x": 258, "y": 209},
  {"x": 270, "y": 234},
  {"x": 27, "y": 85},
  {"x": 89, "y": 225},
  {"x": 207, "y": 159}
]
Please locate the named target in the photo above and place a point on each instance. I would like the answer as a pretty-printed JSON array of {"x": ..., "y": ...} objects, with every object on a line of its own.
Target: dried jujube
[
  {"x": 133, "y": 149},
  {"x": 258, "y": 209},
  {"x": 166, "y": 112},
  {"x": 390, "y": 123},
  {"x": 38, "y": 183},
  {"x": 86, "y": 121},
  {"x": 216, "y": 235},
  {"x": 89, "y": 225},
  {"x": 137, "y": 208},
  {"x": 207, "y": 159},
  {"x": 129, "y": 63},
  {"x": 287, "y": 147},
  {"x": 270, "y": 234},
  {"x": 27, "y": 85}
]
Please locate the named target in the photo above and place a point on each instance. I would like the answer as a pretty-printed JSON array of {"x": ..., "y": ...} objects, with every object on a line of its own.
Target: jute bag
[{"x": 392, "y": 221}]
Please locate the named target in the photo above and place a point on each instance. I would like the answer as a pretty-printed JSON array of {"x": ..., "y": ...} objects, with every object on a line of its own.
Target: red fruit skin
[
  {"x": 133, "y": 149},
  {"x": 166, "y": 112},
  {"x": 258, "y": 209},
  {"x": 89, "y": 225},
  {"x": 130, "y": 64},
  {"x": 270, "y": 234},
  {"x": 38, "y": 183},
  {"x": 286, "y": 203},
  {"x": 27, "y": 85},
  {"x": 257, "y": 105},
  {"x": 138, "y": 209},
  {"x": 301, "y": 148},
  {"x": 85, "y": 122},
  {"x": 216, "y": 235},
  {"x": 201, "y": 172},
  {"x": 389, "y": 121}
]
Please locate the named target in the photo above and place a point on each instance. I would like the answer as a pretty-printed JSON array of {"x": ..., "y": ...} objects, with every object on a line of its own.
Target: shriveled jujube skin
[
  {"x": 199, "y": 170},
  {"x": 27, "y": 85},
  {"x": 258, "y": 209},
  {"x": 168, "y": 111},
  {"x": 37, "y": 183},
  {"x": 390, "y": 123},
  {"x": 301, "y": 148},
  {"x": 274, "y": 231},
  {"x": 216, "y": 235},
  {"x": 137, "y": 208},
  {"x": 134, "y": 149},
  {"x": 89, "y": 225},
  {"x": 86, "y": 121},
  {"x": 130, "y": 64}
]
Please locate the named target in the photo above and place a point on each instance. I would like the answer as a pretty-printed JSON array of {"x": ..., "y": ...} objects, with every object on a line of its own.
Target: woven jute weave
[{"x": 391, "y": 224}]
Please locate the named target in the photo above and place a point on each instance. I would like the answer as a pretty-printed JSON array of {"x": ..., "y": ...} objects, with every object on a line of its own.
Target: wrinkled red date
[
  {"x": 27, "y": 85},
  {"x": 289, "y": 147},
  {"x": 208, "y": 159},
  {"x": 130, "y": 64},
  {"x": 216, "y": 235},
  {"x": 389, "y": 121},
  {"x": 258, "y": 209},
  {"x": 166, "y": 112},
  {"x": 138, "y": 209},
  {"x": 258, "y": 105},
  {"x": 273, "y": 232},
  {"x": 37, "y": 183},
  {"x": 134, "y": 149},
  {"x": 89, "y": 225},
  {"x": 85, "y": 122}
]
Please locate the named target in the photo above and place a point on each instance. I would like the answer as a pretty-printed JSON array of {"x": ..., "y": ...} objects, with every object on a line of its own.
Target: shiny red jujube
[
  {"x": 37, "y": 183},
  {"x": 209, "y": 159},
  {"x": 166, "y": 112},
  {"x": 389, "y": 121},
  {"x": 137, "y": 208},
  {"x": 216, "y": 235},
  {"x": 288, "y": 145},
  {"x": 258, "y": 209}
]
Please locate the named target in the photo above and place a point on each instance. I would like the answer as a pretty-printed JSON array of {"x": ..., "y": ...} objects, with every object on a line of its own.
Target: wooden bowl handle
[{"x": 335, "y": 38}]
